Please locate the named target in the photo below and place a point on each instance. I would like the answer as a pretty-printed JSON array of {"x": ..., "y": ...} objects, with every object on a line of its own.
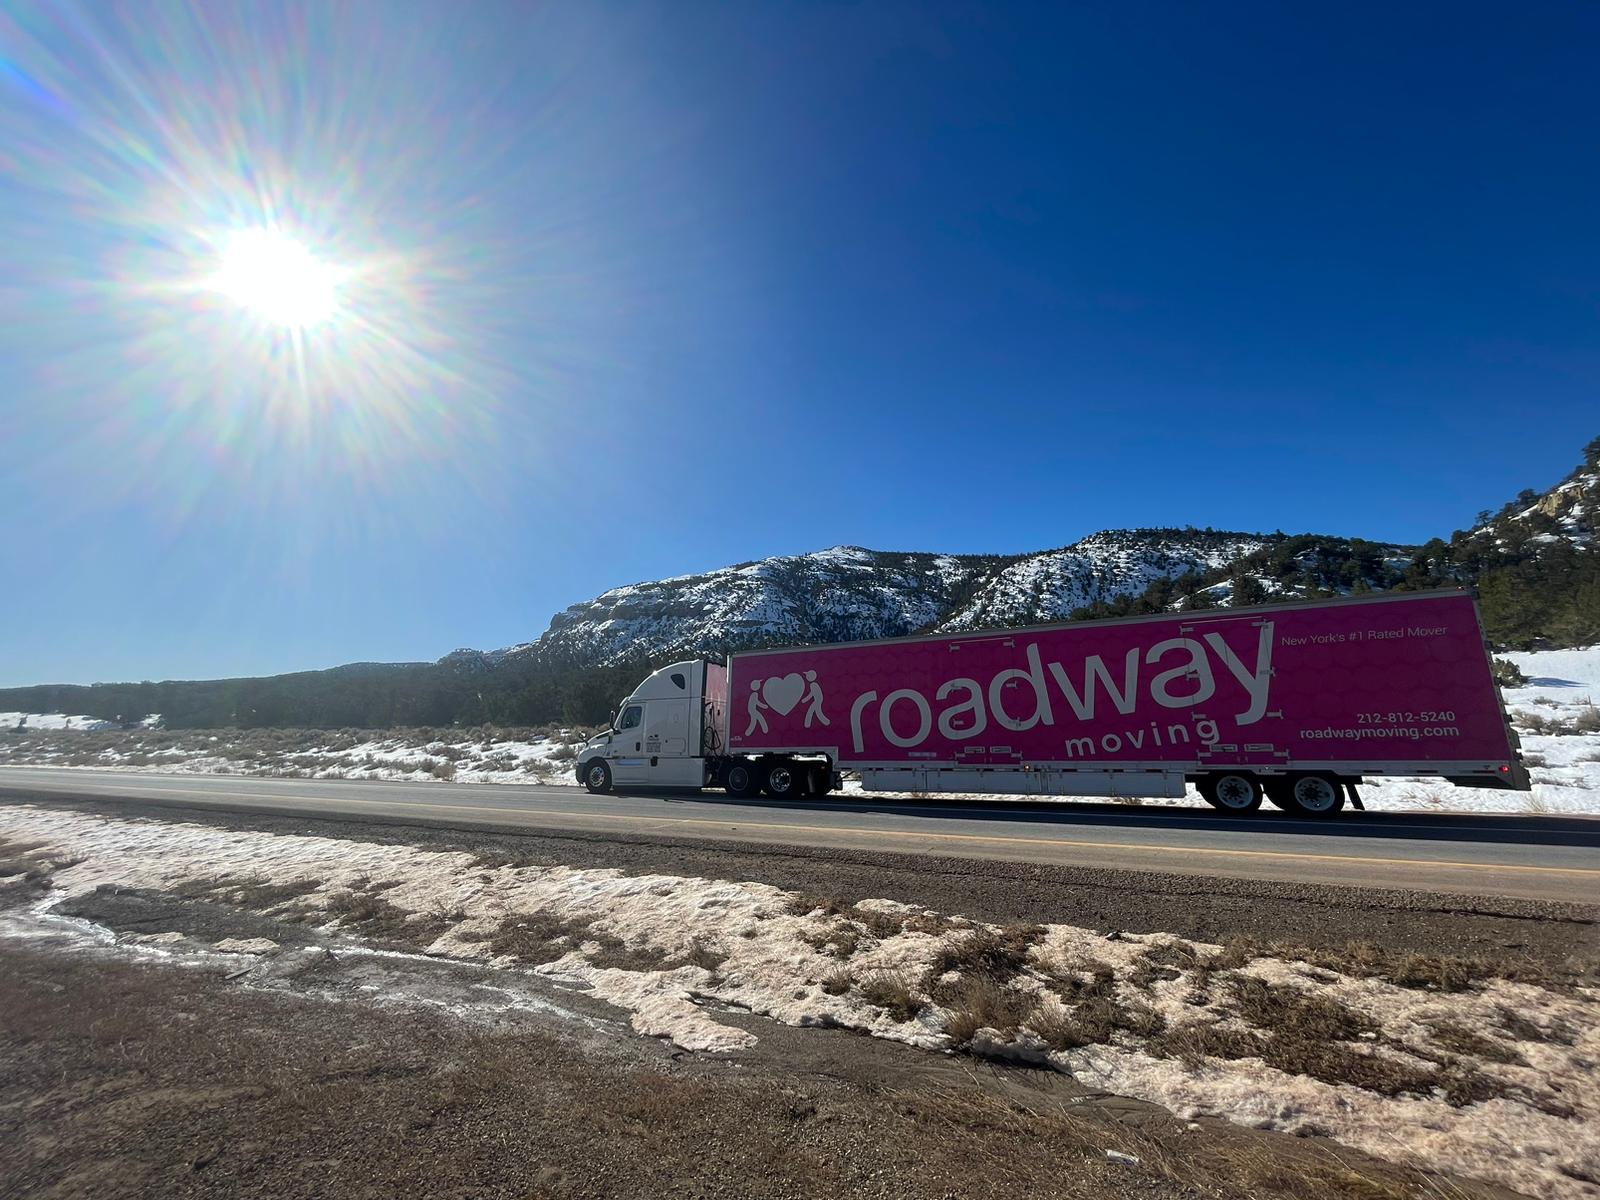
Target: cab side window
[{"x": 631, "y": 716}]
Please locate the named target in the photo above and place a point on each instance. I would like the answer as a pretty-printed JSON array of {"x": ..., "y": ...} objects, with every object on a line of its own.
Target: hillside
[
  {"x": 1535, "y": 562},
  {"x": 848, "y": 593}
]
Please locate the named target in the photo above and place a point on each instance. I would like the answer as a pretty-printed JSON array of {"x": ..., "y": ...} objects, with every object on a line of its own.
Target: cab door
[
  {"x": 671, "y": 762},
  {"x": 627, "y": 756}
]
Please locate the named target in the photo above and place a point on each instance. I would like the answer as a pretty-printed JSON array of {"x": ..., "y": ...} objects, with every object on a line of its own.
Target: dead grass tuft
[
  {"x": 1233, "y": 954},
  {"x": 1524, "y": 1030},
  {"x": 879, "y": 924},
  {"x": 536, "y": 938},
  {"x": 837, "y": 982},
  {"x": 1458, "y": 1039},
  {"x": 28, "y": 869},
  {"x": 840, "y": 940},
  {"x": 982, "y": 1001},
  {"x": 994, "y": 953},
  {"x": 928, "y": 922},
  {"x": 889, "y": 991},
  {"x": 1195, "y": 1041},
  {"x": 258, "y": 894},
  {"x": 1290, "y": 1012},
  {"x": 376, "y": 919},
  {"x": 804, "y": 904},
  {"x": 703, "y": 956},
  {"x": 1161, "y": 962}
]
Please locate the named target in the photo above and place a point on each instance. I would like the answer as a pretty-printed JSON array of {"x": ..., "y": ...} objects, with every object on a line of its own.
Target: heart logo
[{"x": 783, "y": 693}]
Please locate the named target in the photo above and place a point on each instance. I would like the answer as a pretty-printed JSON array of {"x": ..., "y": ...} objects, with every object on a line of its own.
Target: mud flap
[{"x": 1355, "y": 797}]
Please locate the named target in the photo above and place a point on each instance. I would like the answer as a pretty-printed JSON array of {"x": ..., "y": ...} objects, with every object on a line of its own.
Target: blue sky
[{"x": 646, "y": 289}]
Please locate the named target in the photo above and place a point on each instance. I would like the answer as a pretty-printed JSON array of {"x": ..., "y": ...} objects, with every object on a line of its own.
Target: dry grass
[
  {"x": 881, "y": 925},
  {"x": 1458, "y": 1039},
  {"x": 1195, "y": 1041},
  {"x": 703, "y": 956},
  {"x": 1076, "y": 982},
  {"x": 805, "y": 904},
  {"x": 1524, "y": 1030},
  {"x": 1363, "y": 960},
  {"x": 258, "y": 894},
  {"x": 890, "y": 991},
  {"x": 1163, "y": 961},
  {"x": 542, "y": 937},
  {"x": 376, "y": 919},
  {"x": 1291, "y": 1012},
  {"x": 837, "y": 982},
  {"x": 981, "y": 1001},
  {"x": 928, "y": 922},
  {"x": 995, "y": 953},
  {"x": 840, "y": 940},
  {"x": 1233, "y": 954}
]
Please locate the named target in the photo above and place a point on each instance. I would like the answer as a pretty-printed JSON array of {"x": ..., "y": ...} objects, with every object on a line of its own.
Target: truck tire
[
  {"x": 1232, "y": 792},
  {"x": 784, "y": 780},
  {"x": 1312, "y": 795},
  {"x": 597, "y": 776},
  {"x": 741, "y": 779}
]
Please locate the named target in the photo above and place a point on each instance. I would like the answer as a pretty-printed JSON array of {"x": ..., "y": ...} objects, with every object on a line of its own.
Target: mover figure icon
[
  {"x": 813, "y": 699},
  {"x": 755, "y": 708}
]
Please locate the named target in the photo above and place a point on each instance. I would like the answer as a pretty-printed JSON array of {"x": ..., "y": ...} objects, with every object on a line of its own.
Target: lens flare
[
  {"x": 254, "y": 265},
  {"x": 273, "y": 275}
]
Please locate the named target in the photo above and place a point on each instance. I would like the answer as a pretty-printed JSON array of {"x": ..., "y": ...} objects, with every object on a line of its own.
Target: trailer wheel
[
  {"x": 784, "y": 780},
  {"x": 1313, "y": 795},
  {"x": 739, "y": 779},
  {"x": 597, "y": 777},
  {"x": 1232, "y": 791}
]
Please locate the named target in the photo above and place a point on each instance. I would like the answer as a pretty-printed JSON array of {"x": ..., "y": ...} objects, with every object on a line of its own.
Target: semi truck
[{"x": 1296, "y": 703}]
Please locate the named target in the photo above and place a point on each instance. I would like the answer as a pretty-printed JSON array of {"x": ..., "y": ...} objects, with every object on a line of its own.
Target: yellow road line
[{"x": 504, "y": 813}]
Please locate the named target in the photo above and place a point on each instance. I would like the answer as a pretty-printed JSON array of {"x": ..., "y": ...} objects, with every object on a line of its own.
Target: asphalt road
[{"x": 1532, "y": 857}]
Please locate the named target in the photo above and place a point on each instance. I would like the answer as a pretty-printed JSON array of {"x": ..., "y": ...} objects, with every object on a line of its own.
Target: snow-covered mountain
[
  {"x": 847, "y": 593},
  {"x": 1567, "y": 513},
  {"x": 1052, "y": 585}
]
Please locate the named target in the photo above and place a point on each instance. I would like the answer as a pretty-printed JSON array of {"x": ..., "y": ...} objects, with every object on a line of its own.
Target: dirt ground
[{"x": 135, "y": 1079}]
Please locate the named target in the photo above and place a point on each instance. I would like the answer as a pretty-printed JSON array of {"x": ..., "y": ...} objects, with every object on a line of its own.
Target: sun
[{"x": 277, "y": 278}]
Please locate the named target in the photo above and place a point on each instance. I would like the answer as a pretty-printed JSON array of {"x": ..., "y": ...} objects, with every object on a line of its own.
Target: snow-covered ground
[
  {"x": 501, "y": 756},
  {"x": 1556, "y": 713},
  {"x": 1517, "y": 1106},
  {"x": 21, "y": 722},
  {"x": 31, "y": 721}
]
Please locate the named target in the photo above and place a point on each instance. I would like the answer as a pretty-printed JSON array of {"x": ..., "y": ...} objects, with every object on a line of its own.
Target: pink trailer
[{"x": 1295, "y": 701}]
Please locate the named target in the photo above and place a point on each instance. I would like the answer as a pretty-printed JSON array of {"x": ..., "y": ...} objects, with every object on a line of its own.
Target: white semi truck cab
[{"x": 667, "y": 733}]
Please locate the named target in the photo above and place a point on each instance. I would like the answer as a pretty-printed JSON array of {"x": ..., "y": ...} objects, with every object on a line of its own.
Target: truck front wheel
[
  {"x": 597, "y": 777},
  {"x": 1310, "y": 795},
  {"x": 1232, "y": 792}
]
